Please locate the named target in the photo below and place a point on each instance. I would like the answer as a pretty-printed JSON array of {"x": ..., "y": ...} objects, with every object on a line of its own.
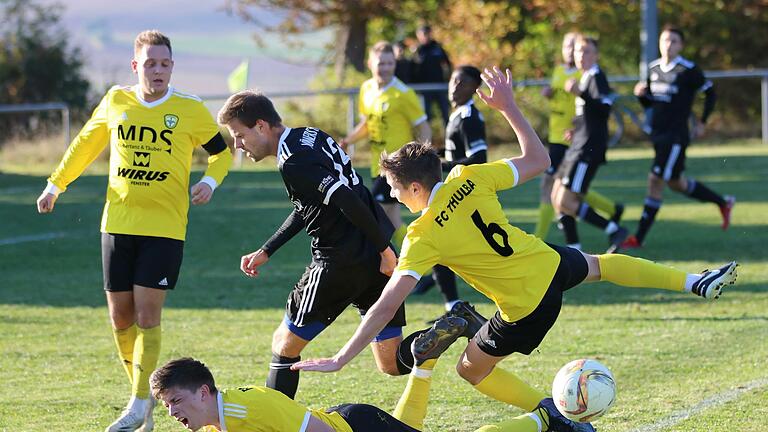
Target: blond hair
[{"x": 151, "y": 37}]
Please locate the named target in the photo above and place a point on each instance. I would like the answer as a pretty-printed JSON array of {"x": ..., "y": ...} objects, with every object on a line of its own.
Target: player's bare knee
[
  {"x": 283, "y": 343},
  {"x": 389, "y": 368},
  {"x": 147, "y": 318},
  {"x": 678, "y": 185},
  {"x": 469, "y": 371}
]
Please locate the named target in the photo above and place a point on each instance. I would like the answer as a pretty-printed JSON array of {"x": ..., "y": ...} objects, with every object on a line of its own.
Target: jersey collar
[
  {"x": 435, "y": 188},
  {"x": 141, "y": 100},
  {"x": 220, "y": 407},
  {"x": 281, "y": 145},
  {"x": 467, "y": 106},
  {"x": 671, "y": 65},
  {"x": 386, "y": 87}
]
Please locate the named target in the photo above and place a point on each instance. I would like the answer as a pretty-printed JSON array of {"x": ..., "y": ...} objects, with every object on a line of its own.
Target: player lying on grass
[
  {"x": 187, "y": 388},
  {"x": 521, "y": 274}
]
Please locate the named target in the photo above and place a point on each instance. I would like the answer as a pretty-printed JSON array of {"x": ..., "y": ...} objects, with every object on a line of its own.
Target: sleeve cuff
[
  {"x": 514, "y": 171},
  {"x": 52, "y": 189},
  {"x": 420, "y": 120},
  {"x": 410, "y": 273},
  {"x": 210, "y": 181}
]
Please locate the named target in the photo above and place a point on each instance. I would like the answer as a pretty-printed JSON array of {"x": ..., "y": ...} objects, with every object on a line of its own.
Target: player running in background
[
  {"x": 464, "y": 145},
  {"x": 669, "y": 91},
  {"x": 463, "y": 225},
  {"x": 587, "y": 151},
  {"x": 151, "y": 129},
  {"x": 390, "y": 114},
  {"x": 562, "y": 110}
]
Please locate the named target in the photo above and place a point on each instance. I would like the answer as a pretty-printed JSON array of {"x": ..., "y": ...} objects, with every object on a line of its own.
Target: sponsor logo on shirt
[{"x": 141, "y": 159}]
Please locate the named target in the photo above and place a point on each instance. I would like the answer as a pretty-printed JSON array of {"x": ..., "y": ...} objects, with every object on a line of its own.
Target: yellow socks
[
  {"x": 546, "y": 214},
  {"x": 125, "y": 340},
  {"x": 412, "y": 406},
  {"x": 145, "y": 354},
  {"x": 399, "y": 236},
  {"x": 598, "y": 201},
  {"x": 506, "y": 387},
  {"x": 530, "y": 422},
  {"x": 640, "y": 273}
]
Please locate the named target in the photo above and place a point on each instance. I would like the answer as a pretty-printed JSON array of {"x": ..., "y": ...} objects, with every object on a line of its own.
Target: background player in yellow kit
[
  {"x": 521, "y": 274},
  {"x": 151, "y": 129},
  {"x": 390, "y": 115}
]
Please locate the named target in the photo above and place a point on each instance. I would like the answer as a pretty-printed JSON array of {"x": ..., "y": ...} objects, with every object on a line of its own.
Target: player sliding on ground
[
  {"x": 524, "y": 276},
  {"x": 187, "y": 388}
]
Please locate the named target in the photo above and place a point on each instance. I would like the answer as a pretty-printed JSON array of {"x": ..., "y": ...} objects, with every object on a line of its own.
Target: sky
[{"x": 208, "y": 43}]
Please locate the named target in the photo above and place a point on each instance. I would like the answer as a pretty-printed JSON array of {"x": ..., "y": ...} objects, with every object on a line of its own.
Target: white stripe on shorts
[
  {"x": 314, "y": 279},
  {"x": 578, "y": 177},
  {"x": 671, "y": 160}
]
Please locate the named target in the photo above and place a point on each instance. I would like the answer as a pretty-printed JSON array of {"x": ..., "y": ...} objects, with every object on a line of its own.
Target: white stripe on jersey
[
  {"x": 186, "y": 95},
  {"x": 330, "y": 192},
  {"x": 514, "y": 171},
  {"x": 673, "y": 155}
]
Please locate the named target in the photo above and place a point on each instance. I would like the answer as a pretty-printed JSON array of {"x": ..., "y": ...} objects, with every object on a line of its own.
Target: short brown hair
[
  {"x": 185, "y": 373},
  {"x": 413, "y": 162},
  {"x": 381, "y": 47},
  {"x": 151, "y": 37},
  {"x": 676, "y": 30},
  {"x": 582, "y": 39},
  {"x": 249, "y": 106}
]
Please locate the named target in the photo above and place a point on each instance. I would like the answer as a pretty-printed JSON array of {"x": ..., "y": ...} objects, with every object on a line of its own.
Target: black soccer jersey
[
  {"x": 671, "y": 89},
  {"x": 465, "y": 134},
  {"x": 593, "y": 106},
  {"x": 314, "y": 169}
]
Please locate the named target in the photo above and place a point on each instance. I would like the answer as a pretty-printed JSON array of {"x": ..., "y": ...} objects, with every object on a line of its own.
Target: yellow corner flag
[{"x": 238, "y": 79}]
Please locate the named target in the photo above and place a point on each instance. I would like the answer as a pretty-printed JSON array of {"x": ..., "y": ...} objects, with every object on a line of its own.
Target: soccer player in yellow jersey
[
  {"x": 187, "y": 388},
  {"x": 521, "y": 274},
  {"x": 151, "y": 130},
  {"x": 562, "y": 110},
  {"x": 390, "y": 116}
]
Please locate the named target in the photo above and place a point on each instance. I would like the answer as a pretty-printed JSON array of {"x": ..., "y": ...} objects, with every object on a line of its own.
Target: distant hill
[{"x": 207, "y": 44}]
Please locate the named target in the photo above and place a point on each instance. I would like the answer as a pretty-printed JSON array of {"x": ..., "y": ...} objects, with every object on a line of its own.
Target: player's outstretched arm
[
  {"x": 535, "y": 158},
  {"x": 397, "y": 289}
]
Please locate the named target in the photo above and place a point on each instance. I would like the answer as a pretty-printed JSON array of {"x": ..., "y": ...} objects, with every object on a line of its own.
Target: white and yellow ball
[{"x": 584, "y": 390}]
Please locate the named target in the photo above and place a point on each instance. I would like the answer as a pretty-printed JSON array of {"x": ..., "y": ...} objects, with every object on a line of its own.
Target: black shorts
[
  {"x": 368, "y": 418},
  {"x": 669, "y": 159},
  {"x": 381, "y": 191},
  {"x": 128, "y": 260},
  {"x": 577, "y": 174},
  {"x": 325, "y": 290},
  {"x": 556, "y": 154},
  {"x": 500, "y": 338}
]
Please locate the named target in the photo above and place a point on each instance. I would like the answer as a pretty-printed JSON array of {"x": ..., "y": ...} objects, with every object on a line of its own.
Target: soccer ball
[{"x": 583, "y": 390}]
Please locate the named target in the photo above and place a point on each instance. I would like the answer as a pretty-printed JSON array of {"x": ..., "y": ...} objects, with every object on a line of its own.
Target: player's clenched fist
[
  {"x": 45, "y": 202},
  {"x": 249, "y": 264}
]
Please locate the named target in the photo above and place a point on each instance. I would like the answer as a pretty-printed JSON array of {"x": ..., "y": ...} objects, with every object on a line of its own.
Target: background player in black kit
[
  {"x": 588, "y": 148},
  {"x": 669, "y": 91},
  {"x": 464, "y": 145},
  {"x": 351, "y": 256}
]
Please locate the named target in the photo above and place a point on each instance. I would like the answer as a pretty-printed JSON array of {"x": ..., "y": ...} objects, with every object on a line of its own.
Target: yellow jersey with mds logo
[
  {"x": 151, "y": 146},
  {"x": 465, "y": 228}
]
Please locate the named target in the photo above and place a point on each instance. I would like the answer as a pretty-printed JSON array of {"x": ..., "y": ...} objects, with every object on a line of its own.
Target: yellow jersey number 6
[{"x": 488, "y": 231}]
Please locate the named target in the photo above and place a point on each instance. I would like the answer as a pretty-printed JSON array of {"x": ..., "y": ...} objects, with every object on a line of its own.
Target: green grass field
[{"x": 671, "y": 353}]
